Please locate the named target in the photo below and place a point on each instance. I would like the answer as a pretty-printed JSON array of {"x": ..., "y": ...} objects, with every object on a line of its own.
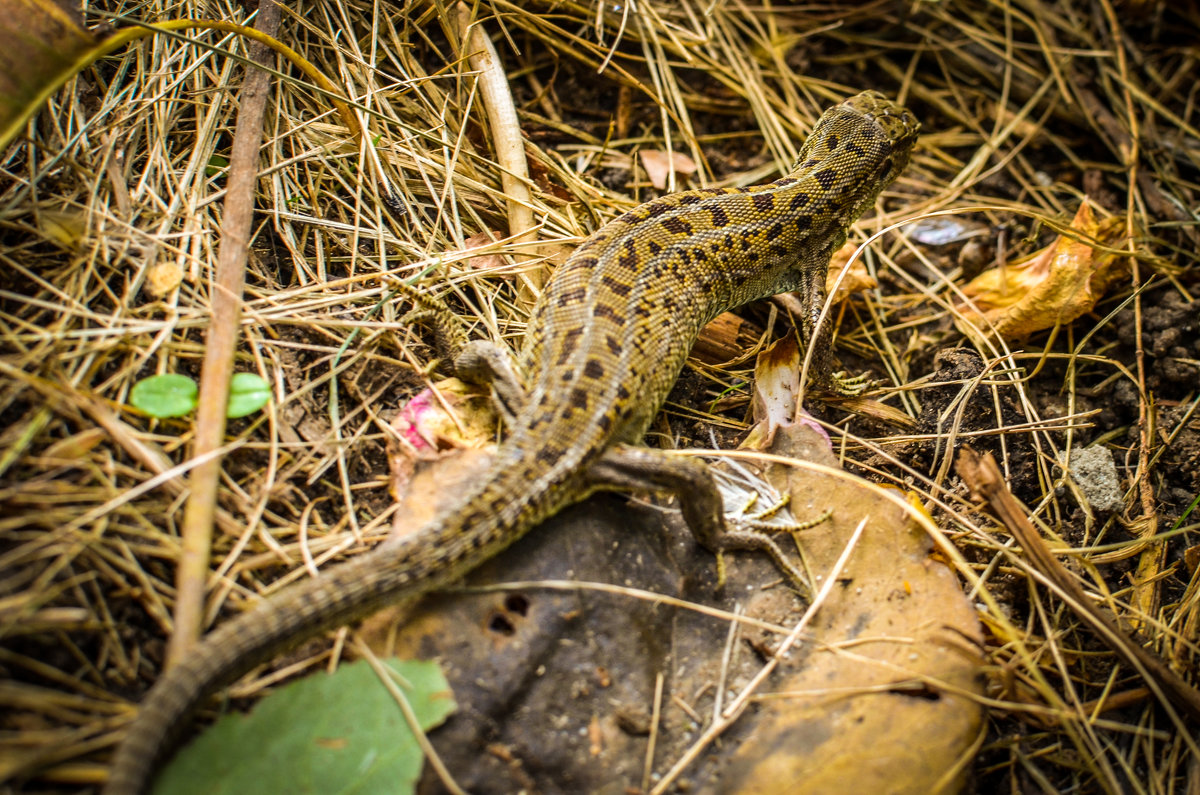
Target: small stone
[{"x": 1095, "y": 472}]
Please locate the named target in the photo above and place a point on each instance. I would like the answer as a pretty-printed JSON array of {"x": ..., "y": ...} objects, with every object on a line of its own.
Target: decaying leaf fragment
[
  {"x": 454, "y": 417},
  {"x": 856, "y": 279},
  {"x": 484, "y": 262},
  {"x": 776, "y": 387},
  {"x": 1052, "y": 287}
]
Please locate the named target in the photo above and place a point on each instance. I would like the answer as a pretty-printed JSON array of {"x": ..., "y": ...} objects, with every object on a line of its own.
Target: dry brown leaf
[
  {"x": 727, "y": 338},
  {"x": 856, "y": 280},
  {"x": 484, "y": 262},
  {"x": 41, "y": 44},
  {"x": 1054, "y": 286},
  {"x": 660, "y": 164}
]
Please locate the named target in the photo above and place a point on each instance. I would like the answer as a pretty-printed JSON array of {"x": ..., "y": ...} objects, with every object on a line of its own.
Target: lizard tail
[{"x": 342, "y": 595}]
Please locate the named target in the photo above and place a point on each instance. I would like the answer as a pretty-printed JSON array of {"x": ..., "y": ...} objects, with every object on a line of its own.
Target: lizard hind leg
[{"x": 631, "y": 468}]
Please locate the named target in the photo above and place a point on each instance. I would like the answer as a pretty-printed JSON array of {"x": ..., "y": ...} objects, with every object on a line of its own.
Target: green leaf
[
  {"x": 216, "y": 164},
  {"x": 325, "y": 735},
  {"x": 168, "y": 395},
  {"x": 247, "y": 394}
]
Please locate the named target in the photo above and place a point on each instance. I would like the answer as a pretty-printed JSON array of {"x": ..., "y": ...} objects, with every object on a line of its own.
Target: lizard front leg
[
  {"x": 630, "y": 468},
  {"x": 818, "y": 337},
  {"x": 484, "y": 363}
]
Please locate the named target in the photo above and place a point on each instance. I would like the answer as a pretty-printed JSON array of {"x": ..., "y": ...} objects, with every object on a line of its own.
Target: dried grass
[{"x": 117, "y": 189}]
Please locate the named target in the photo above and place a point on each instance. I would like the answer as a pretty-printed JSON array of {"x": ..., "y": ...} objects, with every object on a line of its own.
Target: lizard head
[{"x": 858, "y": 148}]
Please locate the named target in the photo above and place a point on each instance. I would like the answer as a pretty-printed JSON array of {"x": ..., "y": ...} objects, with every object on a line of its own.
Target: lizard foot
[
  {"x": 449, "y": 332},
  {"x": 850, "y": 386}
]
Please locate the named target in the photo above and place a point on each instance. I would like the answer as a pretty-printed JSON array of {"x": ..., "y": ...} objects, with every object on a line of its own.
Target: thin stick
[
  {"x": 221, "y": 343},
  {"x": 507, "y": 141}
]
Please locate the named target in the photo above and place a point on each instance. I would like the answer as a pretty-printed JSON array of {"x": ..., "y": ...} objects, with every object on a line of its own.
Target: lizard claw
[{"x": 850, "y": 386}]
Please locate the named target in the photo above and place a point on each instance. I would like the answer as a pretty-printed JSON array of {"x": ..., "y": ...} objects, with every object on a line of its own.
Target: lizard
[{"x": 604, "y": 344}]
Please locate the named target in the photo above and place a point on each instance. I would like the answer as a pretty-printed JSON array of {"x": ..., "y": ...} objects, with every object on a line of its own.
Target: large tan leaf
[{"x": 882, "y": 695}]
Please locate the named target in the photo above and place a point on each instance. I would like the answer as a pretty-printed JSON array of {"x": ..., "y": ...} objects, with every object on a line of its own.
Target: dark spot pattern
[
  {"x": 609, "y": 313},
  {"x": 572, "y": 296},
  {"x": 763, "y": 202},
  {"x": 594, "y": 369},
  {"x": 619, "y": 287},
  {"x": 570, "y": 341},
  {"x": 677, "y": 226},
  {"x": 826, "y": 177}
]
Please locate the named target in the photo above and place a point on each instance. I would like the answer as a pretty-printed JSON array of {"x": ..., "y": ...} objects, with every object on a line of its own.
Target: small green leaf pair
[{"x": 173, "y": 395}]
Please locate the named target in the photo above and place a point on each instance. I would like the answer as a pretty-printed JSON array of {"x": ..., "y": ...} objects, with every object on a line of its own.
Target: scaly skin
[{"x": 606, "y": 342}]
